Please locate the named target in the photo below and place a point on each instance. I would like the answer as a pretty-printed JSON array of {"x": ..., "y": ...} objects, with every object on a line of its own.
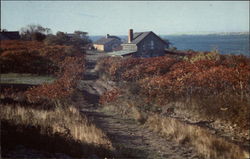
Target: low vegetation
[
  {"x": 44, "y": 116},
  {"x": 25, "y": 78},
  {"x": 205, "y": 89},
  {"x": 205, "y": 143},
  {"x": 198, "y": 99}
]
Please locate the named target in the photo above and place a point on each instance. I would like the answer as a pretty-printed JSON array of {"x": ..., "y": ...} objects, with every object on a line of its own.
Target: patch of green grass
[{"x": 17, "y": 78}]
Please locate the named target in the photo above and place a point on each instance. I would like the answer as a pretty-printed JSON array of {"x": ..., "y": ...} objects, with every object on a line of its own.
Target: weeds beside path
[{"x": 130, "y": 139}]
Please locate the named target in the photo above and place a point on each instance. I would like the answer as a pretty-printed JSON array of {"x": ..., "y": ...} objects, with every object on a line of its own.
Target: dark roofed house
[
  {"x": 108, "y": 43},
  {"x": 142, "y": 44},
  {"x": 9, "y": 35}
]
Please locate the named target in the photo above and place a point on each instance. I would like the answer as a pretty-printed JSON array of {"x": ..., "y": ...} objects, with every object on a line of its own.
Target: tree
[
  {"x": 34, "y": 32},
  {"x": 79, "y": 39},
  {"x": 59, "y": 39},
  {"x": 38, "y": 36}
]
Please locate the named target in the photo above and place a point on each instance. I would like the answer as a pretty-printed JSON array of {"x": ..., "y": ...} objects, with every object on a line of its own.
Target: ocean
[{"x": 225, "y": 44}]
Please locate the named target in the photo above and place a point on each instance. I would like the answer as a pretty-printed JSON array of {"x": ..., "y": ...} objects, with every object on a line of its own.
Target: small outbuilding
[{"x": 9, "y": 35}]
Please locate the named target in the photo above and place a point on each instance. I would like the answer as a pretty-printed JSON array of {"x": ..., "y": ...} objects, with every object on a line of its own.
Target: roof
[
  {"x": 9, "y": 35},
  {"x": 121, "y": 53},
  {"x": 106, "y": 40},
  {"x": 139, "y": 36}
]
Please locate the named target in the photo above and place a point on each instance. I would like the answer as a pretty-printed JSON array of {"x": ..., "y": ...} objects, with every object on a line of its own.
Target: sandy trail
[{"x": 130, "y": 139}]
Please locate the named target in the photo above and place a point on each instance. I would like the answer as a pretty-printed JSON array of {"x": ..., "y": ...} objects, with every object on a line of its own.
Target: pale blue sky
[{"x": 116, "y": 17}]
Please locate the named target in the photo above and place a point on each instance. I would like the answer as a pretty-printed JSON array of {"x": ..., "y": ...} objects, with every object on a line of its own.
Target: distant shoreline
[
  {"x": 191, "y": 33},
  {"x": 210, "y": 33}
]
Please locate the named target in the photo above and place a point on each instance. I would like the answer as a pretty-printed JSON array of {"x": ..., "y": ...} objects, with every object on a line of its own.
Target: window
[{"x": 151, "y": 44}]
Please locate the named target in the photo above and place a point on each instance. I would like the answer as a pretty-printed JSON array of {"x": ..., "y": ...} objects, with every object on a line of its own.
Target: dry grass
[
  {"x": 61, "y": 120},
  {"x": 203, "y": 140},
  {"x": 230, "y": 119},
  {"x": 52, "y": 126},
  {"x": 208, "y": 145},
  {"x": 61, "y": 129}
]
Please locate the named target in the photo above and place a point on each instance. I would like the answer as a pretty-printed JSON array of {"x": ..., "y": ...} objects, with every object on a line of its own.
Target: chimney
[
  {"x": 130, "y": 35},
  {"x": 107, "y": 36}
]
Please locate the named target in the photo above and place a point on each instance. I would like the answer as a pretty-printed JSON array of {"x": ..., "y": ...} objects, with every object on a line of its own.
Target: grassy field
[{"x": 25, "y": 78}]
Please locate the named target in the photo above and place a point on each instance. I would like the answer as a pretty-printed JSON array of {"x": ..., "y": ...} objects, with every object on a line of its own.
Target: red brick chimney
[{"x": 130, "y": 35}]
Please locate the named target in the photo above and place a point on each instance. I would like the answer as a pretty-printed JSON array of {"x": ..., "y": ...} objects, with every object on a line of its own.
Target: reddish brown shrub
[
  {"x": 37, "y": 58},
  {"x": 109, "y": 96}
]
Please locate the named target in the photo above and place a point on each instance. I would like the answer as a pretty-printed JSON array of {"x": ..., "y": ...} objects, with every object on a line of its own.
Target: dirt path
[
  {"x": 130, "y": 138},
  {"x": 133, "y": 141}
]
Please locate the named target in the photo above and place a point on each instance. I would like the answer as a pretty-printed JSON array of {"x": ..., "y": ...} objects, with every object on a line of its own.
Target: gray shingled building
[
  {"x": 142, "y": 44},
  {"x": 9, "y": 35},
  {"x": 108, "y": 43}
]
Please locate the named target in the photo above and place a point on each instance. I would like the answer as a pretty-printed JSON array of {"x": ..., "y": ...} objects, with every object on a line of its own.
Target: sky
[{"x": 116, "y": 17}]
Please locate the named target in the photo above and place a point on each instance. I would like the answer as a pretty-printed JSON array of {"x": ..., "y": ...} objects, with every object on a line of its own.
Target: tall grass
[
  {"x": 67, "y": 121},
  {"x": 205, "y": 143}
]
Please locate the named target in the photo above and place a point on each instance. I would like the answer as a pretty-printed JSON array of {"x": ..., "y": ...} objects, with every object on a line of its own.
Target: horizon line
[{"x": 185, "y": 33}]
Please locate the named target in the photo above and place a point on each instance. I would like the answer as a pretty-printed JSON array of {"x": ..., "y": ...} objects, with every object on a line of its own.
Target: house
[
  {"x": 108, "y": 43},
  {"x": 9, "y": 35},
  {"x": 142, "y": 44}
]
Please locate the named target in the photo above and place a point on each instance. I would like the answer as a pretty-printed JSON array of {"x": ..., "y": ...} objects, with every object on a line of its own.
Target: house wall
[
  {"x": 129, "y": 47},
  {"x": 145, "y": 48},
  {"x": 112, "y": 45}
]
